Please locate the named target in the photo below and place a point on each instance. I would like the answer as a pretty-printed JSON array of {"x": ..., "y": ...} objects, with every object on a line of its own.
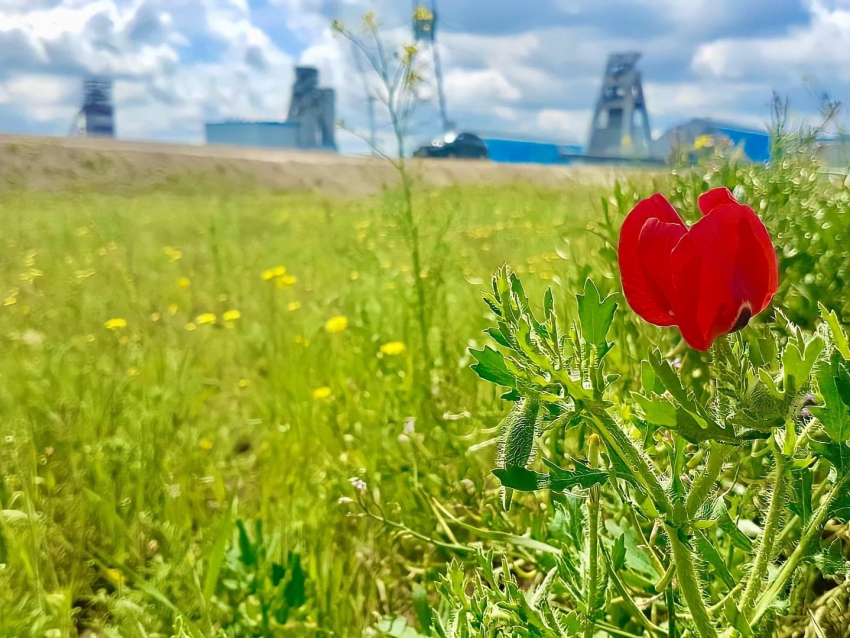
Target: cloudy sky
[{"x": 528, "y": 68}]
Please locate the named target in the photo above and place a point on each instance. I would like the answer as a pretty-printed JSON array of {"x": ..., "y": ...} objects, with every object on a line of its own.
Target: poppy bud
[{"x": 709, "y": 279}]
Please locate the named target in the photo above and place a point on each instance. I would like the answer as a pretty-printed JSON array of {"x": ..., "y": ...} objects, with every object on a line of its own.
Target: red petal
[
  {"x": 646, "y": 298},
  {"x": 713, "y": 198},
  {"x": 656, "y": 243},
  {"x": 724, "y": 267}
]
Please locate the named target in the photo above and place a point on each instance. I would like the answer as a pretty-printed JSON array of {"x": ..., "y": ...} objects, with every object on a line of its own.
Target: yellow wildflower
[
  {"x": 172, "y": 253},
  {"x": 172, "y": 309},
  {"x": 322, "y": 393},
  {"x": 336, "y": 324},
  {"x": 155, "y": 316},
  {"x": 293, "y": 305},
  {"x": 205, "y": 444},
  {"x": 393, "y": 348},
  {"x": 272, "y": 273},
  {"x": 244, "y": 383},
  {"x": 232, "y": 315},
  {"x": 191, "y": 326},
  {"x": 115, "y": 323},
  {"x": 205, "y": 318},
  {"x": 133, "y": 372},
  {"x": 183, "y": 283},
  {"x": 285, "y": 281}
]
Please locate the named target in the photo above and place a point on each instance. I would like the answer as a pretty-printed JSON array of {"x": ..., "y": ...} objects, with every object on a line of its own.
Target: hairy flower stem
[
  {"x": 593, "y": 542},
  {"x": 619, "y": 444},
  {"x": 771, "y": 528},
  {"x": 624, "y": 448},
  {"x": 689, "y": 585},
  {"x": 812, "y": 532},
  {"x": 705, "y": 481}
]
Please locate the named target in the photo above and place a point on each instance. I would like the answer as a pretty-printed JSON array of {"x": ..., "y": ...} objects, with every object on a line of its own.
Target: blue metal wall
[
  {"x": 522, "y": 152},
  {"x": 756, "y": 144},
  {"x": 258, "y": 134}
]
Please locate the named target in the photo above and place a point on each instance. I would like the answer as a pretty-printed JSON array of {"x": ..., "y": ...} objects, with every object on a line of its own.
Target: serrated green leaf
[
  {"x": 798, "y": 365},
  {"x": 833, "y": 414},
  {"x": 490, "y": 366},
  {"x": 657, "y": 409},
  {"x": 837, "y": 453},
  {"x": 649, "y": 381},
  {"x": 595, "y": 316},
  {"x": 525, "y": 480},
  {"x": 839, "y": 338},
  {"x": 842, "y": 384}
]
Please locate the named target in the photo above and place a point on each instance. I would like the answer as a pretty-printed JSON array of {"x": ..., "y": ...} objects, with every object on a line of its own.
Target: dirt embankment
[{"x": 45, "y": 163}]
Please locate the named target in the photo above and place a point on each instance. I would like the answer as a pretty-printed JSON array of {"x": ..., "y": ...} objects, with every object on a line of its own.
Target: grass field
[
  {"x": 164, "y": 378},
  {"x": 220, "y": 417}
]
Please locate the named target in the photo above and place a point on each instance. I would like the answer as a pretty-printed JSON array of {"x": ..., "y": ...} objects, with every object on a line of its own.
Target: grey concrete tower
[
  {"x": 312, "y": 108},
  {"x": 620, "y": 126}
]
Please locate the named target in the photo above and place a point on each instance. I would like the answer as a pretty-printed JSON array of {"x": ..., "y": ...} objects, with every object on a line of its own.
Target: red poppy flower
[{"x": 709, "y": 279}]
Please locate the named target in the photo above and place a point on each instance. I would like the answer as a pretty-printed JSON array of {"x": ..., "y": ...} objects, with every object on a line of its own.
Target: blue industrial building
[
  {"x": 524, "y": 152},
  {"x": 695, "y": 135},
  {"x": 260, "y": 134}
]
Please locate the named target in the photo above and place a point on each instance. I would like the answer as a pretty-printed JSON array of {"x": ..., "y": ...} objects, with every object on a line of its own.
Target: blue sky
[{"x": 518, "y": 68}]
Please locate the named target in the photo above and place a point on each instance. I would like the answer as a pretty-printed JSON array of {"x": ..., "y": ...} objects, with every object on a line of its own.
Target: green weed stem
[
  {"x": 705, "y": 481},
  {"x": 812, "y": 532},
  {"x": 771, "y": 527},
  {"x": 689, "y": 585},
  {"x": 593, "y": 541}
]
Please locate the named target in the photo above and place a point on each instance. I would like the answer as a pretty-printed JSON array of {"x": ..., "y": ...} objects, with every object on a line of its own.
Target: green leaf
[
  {"x": 419, "y": 596},
  {"x": 618, "y": 553},
  {"x": 548, "y": 304},
  {"x": 657, "y": 409},
  {"x": 833, "y": 414},
  {"x": 673, "y": 384},
  {"x": 490, "y": 366},
  {"x": 837, "y": 453},
  {"x": 649, "y": 380},
  {"x": 798, "y": 365},
  {"x": 709, "y": 553},
  {"x": 595, "y": 316},
  {"x": 839, "y": 338},
  {"x": 559, "y": 480},
  {"x": 294, "y": 592},
  {"x": 397, "y": 628},
  {"x": 216, "y": 556}
]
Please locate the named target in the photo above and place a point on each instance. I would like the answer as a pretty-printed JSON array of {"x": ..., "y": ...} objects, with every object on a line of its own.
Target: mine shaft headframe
[{"x": 621, "y": 123}]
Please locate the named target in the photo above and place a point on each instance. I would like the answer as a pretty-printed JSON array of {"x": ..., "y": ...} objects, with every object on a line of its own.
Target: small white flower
[
  {"x": 410, "y": 425},
  {"x": 358, "y": 483}
]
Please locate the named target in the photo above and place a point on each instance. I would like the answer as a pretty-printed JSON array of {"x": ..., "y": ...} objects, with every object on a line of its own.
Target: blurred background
[{"x": 502, "y": 71}]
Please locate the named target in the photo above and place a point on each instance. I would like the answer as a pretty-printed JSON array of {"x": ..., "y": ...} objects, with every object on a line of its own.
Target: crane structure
[
  {"x": 620, "y": 125},
  {"x": 425, "y": 36}
]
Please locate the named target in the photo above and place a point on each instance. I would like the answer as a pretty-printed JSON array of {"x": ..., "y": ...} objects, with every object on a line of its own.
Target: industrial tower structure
[
  {"x": 620, "y": 126},
  {"x": 425, "y": 35},
  {"x": 96, "y": 118},
  {"x": 312, "y": 109}
]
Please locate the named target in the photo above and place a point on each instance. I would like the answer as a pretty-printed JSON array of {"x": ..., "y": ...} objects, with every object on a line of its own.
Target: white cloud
[{"x": 821, "y": 46}]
